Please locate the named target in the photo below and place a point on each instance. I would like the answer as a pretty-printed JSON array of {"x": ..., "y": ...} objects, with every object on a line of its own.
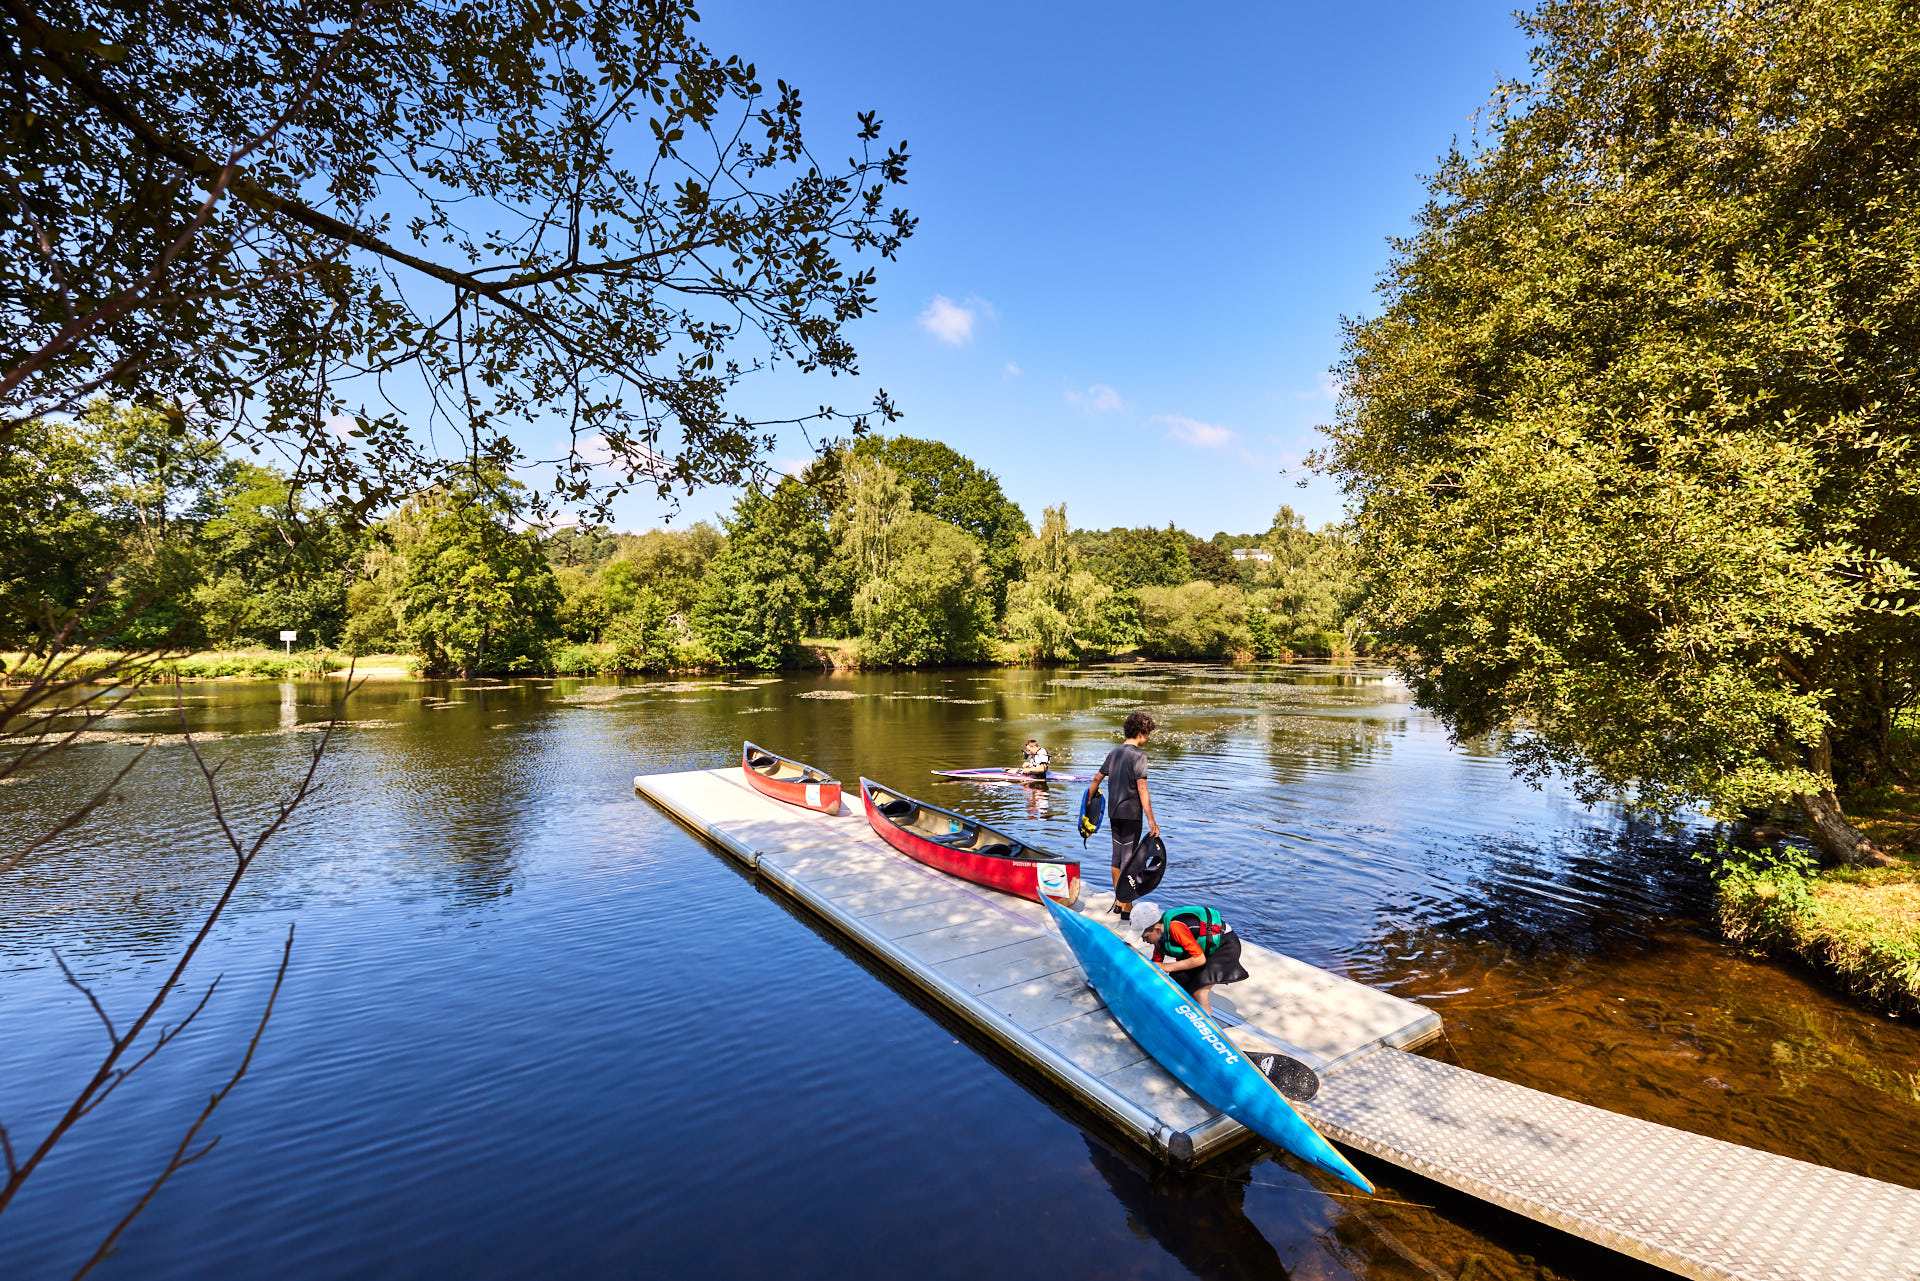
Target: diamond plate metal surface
[{"x": 1693, "y": 1205}]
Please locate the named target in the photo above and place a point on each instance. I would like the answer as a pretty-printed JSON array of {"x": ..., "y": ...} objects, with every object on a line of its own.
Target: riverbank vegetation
[
  {"x": 889, "y": 552},
  {"x": 1633, "y": 440}
]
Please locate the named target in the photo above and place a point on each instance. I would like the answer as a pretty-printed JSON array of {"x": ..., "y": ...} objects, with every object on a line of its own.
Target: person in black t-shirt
[{"x": 1130, "y": 806}]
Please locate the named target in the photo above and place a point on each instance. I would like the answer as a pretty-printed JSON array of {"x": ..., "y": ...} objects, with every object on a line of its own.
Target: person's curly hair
[{"x": 1139, "y": 723}]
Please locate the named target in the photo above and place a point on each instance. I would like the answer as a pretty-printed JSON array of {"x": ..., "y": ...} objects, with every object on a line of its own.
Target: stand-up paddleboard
[
  {"x": 1011, "y": 776},
  {"x": 1171, "y": 1026}
]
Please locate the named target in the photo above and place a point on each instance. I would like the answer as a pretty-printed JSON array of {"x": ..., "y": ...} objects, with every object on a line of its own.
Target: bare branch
[{"x": 181, "y": 1157}]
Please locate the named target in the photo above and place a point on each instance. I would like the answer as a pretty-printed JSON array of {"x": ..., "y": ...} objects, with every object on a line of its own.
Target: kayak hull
[
  {"x": 1183, "y": 1039},
  {"x": 970, "y": 850},
  {"x": 793, "y": 782}
]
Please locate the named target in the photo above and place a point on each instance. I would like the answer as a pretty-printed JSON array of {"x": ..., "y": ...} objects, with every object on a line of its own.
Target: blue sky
[{"x": 1139, "y": 227}]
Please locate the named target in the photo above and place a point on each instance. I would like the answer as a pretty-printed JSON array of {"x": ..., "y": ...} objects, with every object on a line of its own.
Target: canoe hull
[
  {"x": 823, "y": 796},
  {"x": 1171, "y": 1026},
  {"x": 1023, "y": 878}
]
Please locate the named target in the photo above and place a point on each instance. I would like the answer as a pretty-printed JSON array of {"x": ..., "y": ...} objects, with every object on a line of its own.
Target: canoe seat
[
  {"x": 760, "y": 759},
  {"x": 900, "y": 810},
  {"x": 960, "y": 837},
  {"x": 999, "y": 849}
]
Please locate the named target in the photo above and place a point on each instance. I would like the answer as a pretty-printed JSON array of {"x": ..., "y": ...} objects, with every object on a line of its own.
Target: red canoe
[
  {"x": 966, "y": 848},
  {"x": 790, "y": 781}
]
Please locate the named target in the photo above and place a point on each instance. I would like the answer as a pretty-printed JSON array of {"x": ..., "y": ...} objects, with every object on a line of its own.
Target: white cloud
[
  {"x": 1097, "y": 399},
  {"x": 1191, "y": 431},
  {"x": 1011, "y": 370},
  {"x": 1327, "y": 390},
  {"x": 953, "y": 322},
  {"x": 597, "y": 451}
]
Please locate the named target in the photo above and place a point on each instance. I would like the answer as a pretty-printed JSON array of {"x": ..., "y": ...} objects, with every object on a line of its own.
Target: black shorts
[
  {"x": 1222, "y": 967},
  {"x": 1126, "y": 835}
]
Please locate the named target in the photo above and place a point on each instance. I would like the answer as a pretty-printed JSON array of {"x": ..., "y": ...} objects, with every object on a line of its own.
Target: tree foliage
[
  {"x": 947, "y": 485},
  {"x": 544, "y": 219},
  {"x": 1056, "y": 611},
  {"x": 1633, "y": 437},
  {"x": 763, "y": 586},
  {"x": 476, "y": 596}
]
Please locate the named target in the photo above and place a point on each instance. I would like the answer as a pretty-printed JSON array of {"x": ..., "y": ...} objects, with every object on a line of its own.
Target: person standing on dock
[
  {"x": 1132, "y": 808},
  {"x": 1196, "y": 949}
]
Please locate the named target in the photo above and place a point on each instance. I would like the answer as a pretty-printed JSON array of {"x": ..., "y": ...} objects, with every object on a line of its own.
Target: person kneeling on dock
[{"x": 1197, "y": 949}]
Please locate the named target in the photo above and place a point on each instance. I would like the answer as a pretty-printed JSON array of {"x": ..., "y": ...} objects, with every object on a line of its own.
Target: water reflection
[
  {"x": 484, "y": 909},
  {"x": 1201, "y": 1222}
]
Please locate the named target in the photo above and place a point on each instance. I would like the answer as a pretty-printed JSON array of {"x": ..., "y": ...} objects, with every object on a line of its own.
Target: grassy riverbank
[{"x": 1859, "y": 925}]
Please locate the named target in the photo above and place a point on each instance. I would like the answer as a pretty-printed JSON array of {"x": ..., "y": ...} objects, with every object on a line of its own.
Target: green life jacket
[{"x": 1209, "y": 931}]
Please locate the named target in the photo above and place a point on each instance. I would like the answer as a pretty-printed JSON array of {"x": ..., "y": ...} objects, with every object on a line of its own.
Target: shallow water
[{"x": 534, "y": 1026}]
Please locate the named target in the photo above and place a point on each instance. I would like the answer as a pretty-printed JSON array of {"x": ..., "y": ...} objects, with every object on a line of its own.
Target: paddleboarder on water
[
  {"x": 1126, "y": 765},
  {"x": 1033, "y": 759},
  {"x": 1196, "y": 949}
]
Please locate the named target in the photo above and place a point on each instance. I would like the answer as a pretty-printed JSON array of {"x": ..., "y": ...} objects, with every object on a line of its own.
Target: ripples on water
[{"x": 533, "y": 1026}]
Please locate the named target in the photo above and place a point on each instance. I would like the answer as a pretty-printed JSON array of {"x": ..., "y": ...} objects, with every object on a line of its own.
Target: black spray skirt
[{"x": 1222, "y": 967}]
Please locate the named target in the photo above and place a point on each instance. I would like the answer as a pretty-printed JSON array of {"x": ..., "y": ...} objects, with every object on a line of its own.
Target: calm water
[{"x": 534, "y": 1027}]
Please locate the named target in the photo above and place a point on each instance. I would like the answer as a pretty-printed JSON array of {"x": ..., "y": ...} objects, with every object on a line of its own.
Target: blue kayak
[{"x": 1171, "y": 1026}]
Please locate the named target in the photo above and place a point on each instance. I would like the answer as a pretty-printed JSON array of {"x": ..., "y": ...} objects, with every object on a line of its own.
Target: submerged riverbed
[{"x": 532, "y": 1026}]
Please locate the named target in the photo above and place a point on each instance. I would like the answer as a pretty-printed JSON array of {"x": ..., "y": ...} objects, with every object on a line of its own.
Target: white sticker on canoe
[
  {"x": 813, "y": 796},
  {"x": 1052, "y": 878}
]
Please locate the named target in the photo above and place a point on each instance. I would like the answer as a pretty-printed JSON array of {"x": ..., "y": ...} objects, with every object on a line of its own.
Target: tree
[
  {"x": 1054, "y": 609},
  {"x": 476, "y": 596},
  {"x": 952, "y": 487},
  {"x": 1213, "y": 563},
  {"x": 264, "y": 219},
  {"x": 931, "y": 604},
  {"x": 55, "y": 549},
  {"x": 1124, "y": 559},
  {"x": 762, "y": 587},
  {"x": 1633, "y": 438},
  {"x": 1194, "y": 620},
  {"x": 269, "y": 564}
]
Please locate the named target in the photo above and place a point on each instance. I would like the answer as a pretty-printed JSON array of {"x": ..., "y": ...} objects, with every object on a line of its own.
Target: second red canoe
[{"x": 967, "y": 848}]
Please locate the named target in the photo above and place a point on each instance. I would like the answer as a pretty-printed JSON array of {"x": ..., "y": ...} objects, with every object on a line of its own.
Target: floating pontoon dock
[{"x": 1694, "y": 1205}]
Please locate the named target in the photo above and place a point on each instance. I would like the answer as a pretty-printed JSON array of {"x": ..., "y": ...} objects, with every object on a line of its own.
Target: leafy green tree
[
  {"x": 669, "y": 563},
  {"x": 762, "y": 587},
  {"x": 1212, "y": 563},
  {"x": 1125, "y": 559},
  {"x": 952, "y": 487},
  {"x": 1633, "y": 439},
  {"x": 582, "y": 547},
  {"x": 56, "y": 550},
  {"x": 931, "y": 605},
  {"x": 260, "y": 215},
  {"x": 920, "y": 593},
  {"x": 1194, "y": 620},
  {"x": 1055, "y": 609},
  {"x": 270, "y": 564},
  {"x": 476, "y": 595},
  {"x": 1311, "y": 586}
]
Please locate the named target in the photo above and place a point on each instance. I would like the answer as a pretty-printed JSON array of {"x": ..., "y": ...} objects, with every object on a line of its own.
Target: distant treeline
[{"x": 899, "y": 551}]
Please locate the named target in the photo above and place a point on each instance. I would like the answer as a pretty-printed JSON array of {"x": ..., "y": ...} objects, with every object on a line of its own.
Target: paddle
[{"x": 1289, "y": 1075}]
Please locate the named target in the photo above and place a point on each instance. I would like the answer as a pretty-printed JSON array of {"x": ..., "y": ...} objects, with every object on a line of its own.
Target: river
[{"x": 533, "y": 1026}]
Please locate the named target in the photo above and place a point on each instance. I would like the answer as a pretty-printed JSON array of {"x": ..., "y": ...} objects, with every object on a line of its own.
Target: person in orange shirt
[{"x": 1196, "y": 949}]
